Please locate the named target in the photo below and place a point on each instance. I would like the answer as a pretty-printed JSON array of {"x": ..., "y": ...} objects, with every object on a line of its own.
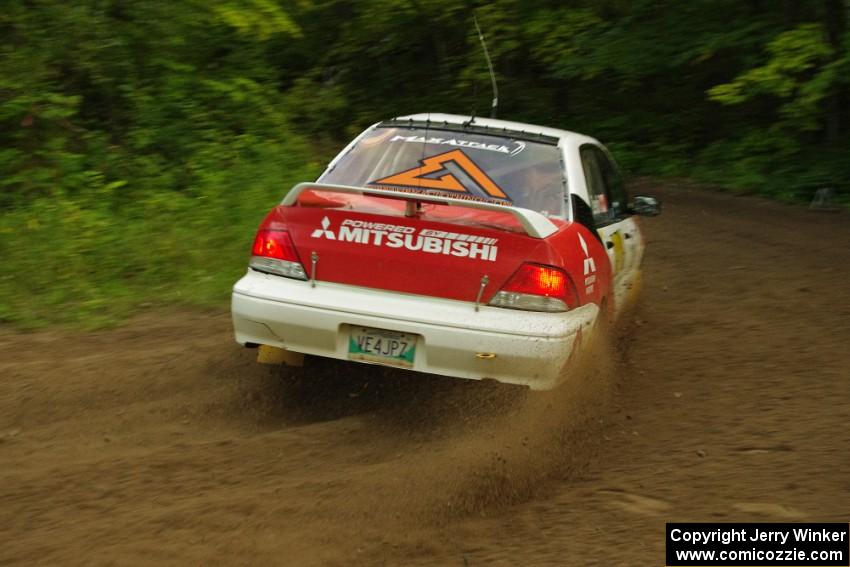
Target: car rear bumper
[{"x": 530, "y": 348}]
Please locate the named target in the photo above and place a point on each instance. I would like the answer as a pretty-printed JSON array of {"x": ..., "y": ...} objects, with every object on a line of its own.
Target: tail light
[
  {"x": 274, "y": 253},
  {"x": 535, "y": 287}
]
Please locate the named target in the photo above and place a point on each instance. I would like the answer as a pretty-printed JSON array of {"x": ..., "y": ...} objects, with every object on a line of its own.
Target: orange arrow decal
[{"x": 414, "y": 177}]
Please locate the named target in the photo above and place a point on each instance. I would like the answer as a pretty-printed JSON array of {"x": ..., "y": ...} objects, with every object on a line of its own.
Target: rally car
[{"x": 466, "y": 247}]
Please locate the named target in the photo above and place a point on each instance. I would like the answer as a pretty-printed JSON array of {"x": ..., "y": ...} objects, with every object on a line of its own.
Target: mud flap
[{"x": 273, "y": 355}]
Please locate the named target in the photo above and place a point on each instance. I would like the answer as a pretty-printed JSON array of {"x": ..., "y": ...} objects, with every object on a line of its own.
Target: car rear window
[{"x": 460, "y": 164}]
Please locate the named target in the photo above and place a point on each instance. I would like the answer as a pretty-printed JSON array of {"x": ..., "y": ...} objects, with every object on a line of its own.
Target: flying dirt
[{"x": 724, "y": 397}]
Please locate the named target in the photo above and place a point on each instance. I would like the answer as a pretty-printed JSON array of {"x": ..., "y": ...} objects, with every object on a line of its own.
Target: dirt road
[{"x": 727, "y": 398}]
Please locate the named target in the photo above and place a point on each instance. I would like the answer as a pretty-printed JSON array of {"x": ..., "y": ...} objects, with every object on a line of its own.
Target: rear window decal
[
  {"x": 518, "y": 146},
  {"x": 415, "y": 177}
]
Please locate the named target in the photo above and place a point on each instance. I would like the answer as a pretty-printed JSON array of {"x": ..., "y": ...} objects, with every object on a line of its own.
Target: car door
[{"x": 616, "y": 227}]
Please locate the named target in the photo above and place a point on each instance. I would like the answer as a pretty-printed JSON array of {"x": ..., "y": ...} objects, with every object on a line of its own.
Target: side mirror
[{"x": 645, "y": 206}]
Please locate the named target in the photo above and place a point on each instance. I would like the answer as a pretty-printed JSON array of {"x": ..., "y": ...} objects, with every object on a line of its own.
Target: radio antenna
[{"x": 495, "y": 104}]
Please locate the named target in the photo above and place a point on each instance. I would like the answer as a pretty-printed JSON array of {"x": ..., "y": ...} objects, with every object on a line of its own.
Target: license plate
[{"x": 381, "y": 346}]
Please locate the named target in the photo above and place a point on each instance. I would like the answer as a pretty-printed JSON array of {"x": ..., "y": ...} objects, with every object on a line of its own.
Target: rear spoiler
[{"x": 535, "y": 224}]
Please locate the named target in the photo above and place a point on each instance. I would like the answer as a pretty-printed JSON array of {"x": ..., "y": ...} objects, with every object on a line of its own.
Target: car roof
[{"x": 563, "y": 136}]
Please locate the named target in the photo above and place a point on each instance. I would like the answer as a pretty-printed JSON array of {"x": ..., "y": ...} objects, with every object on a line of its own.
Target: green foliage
[
  {"x": 256, "y": 18},
  {"x": 141, "y": 142},
  {"x": 139, "y": 154},
  {"x": 89, "y": 256},
  {"x": 798, "y": 71}
]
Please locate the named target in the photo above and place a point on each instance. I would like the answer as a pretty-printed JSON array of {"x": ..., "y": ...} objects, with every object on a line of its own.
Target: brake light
[
  {"x": 274, "y": 244},
  {"x": 273, "y": 252},
  {"x": 535, "y": 287},
  {"x": 538, "y": 280}
]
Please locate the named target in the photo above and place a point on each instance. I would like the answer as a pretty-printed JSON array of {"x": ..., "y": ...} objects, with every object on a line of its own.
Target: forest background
[{"x": 141, "y": 141}]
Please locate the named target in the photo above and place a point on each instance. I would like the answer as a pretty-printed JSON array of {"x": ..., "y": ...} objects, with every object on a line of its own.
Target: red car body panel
[{"x": 443, "y": 251}]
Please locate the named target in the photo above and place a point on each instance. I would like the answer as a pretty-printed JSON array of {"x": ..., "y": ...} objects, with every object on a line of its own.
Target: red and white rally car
[{"x": 474, "y": 248}]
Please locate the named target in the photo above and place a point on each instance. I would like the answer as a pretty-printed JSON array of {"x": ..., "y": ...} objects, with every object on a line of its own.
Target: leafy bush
[{"x": 92, "y": 255}]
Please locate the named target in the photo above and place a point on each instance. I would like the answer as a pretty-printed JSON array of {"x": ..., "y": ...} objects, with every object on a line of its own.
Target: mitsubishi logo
[
  {"x": 319, "y": 232},
  {"x": 589, "y": 264},
  {"x": 589, "y": 267}
]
